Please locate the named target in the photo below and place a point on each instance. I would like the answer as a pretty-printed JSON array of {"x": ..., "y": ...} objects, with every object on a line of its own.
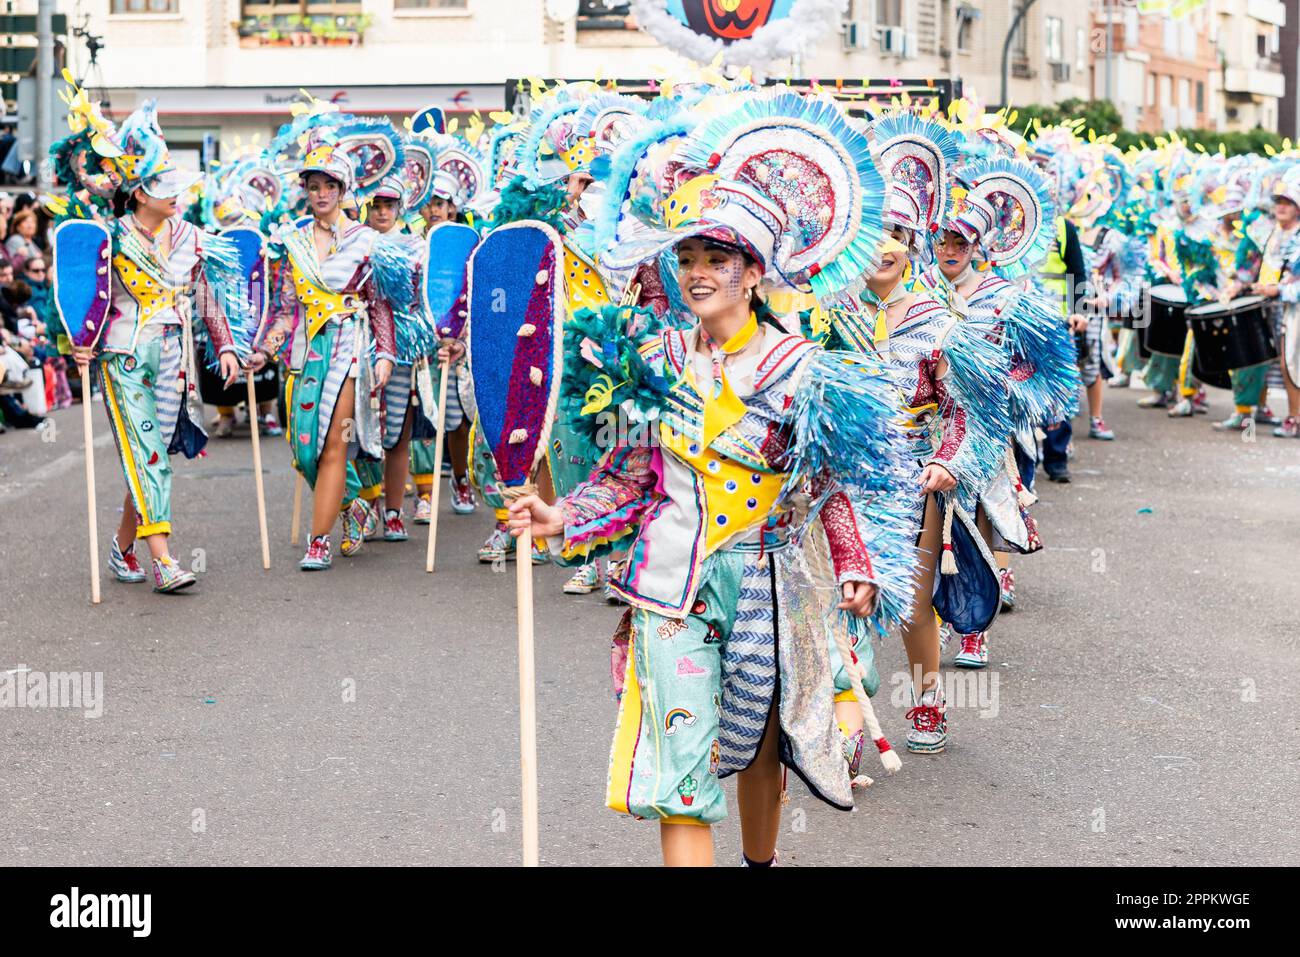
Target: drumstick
[
  {"x": 257, "y": 471},
  {"x": 90, "y": 485},
  {"x": 436, "y": 493},
  {"x": 297, "y": 509}
]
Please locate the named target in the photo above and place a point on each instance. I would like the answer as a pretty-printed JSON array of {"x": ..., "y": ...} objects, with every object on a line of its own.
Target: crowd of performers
[{"x": 809, "y": 362}]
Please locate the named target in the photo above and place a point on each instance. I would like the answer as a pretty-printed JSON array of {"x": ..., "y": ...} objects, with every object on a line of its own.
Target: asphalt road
[{"x": 1138, "y": 708}]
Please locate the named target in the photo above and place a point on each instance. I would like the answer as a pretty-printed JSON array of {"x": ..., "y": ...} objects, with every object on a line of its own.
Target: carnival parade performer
[
  {"x": 708, "y": 688},
  {"x": 162, "y": 269},
  {"x": 974, "y": 260},
  {"x": 341, "y": 287}
]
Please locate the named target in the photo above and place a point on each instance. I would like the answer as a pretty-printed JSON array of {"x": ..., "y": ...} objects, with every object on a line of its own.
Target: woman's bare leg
[
  {"x": 758, "y": 794},
  {"x": 686, "y": 845},
  {"x": 397, "y": 466},
  {"x": 331, "y": 467},
  {"x": 921, "y": 634}
]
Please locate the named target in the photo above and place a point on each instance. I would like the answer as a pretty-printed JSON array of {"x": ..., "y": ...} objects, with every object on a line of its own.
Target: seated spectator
[
  {"x": 15, "y": 377},
  {"x": 21, "y": 244}
]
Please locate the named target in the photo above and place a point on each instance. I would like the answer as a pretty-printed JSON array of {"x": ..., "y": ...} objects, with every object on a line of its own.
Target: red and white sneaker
[
  {"x": 394, "y": 530},
  {"x": 462, "y": 495},
  {"x": 929, "y": 717},
  {"x": 1200, "y": 402},
  {"x": 124, "y": 565},
  {"x": 1289, "y": 429},
  {"x": 974, "y": 651},
  {"x": 317, "y": 558},
  {"x": 1007, "y": 585}
]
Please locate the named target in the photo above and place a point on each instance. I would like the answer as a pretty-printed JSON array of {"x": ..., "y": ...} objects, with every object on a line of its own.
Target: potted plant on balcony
[
  {"x": 319, "y": 29},
  {"x": 247, "y": 31},
  {"x": 299, "y": 31}
]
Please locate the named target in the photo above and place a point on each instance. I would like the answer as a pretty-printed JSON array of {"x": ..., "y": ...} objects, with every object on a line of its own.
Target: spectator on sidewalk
[{"x": 21, "y": 244}]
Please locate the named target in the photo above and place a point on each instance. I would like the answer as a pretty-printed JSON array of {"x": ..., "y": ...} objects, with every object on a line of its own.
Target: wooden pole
[
  {"x": 436, "y": 492},
  {"x": 257, "y": 471},
  {"x": 527, "y": 696},
  {"x": 297, "y": 508},
  {"x": 90, "y": 484}
]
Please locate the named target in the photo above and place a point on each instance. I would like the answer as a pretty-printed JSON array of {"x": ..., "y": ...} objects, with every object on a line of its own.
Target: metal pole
[
  {"x": 1106, "y": 7},
  {"x": 1006, "y": 44},
  {"x": 44, "y": 101}
]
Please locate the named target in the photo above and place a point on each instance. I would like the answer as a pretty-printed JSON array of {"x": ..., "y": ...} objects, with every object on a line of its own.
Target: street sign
[{"x": 26, "y": 23}]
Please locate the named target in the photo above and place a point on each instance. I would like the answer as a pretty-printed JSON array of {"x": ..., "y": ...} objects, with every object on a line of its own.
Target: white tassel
[{"x": 948, "y": 564}]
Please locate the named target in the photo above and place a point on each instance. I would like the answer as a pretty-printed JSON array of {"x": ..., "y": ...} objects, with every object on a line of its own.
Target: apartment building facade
[{"x": 225, "y": 69}]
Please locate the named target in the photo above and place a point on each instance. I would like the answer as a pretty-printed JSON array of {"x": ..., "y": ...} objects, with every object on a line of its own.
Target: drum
[
  {"x": 1166, "y": 329},
  {"x": 1233, "y": 335}
]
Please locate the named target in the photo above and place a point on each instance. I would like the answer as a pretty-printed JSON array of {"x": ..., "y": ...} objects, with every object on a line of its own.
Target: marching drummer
[{"x": 1269, "y": 242}]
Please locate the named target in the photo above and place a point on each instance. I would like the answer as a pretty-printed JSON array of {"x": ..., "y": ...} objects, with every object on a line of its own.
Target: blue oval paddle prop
[
  {"x": 449, "y": 246},
  {"x": 254, "y": 279},
  {"x": 82, "y": 250}
]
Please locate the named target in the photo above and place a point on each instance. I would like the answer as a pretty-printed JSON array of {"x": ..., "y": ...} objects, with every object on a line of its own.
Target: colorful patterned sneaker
[
  {"x": 462, "y": 495},
  {"x": 1120, "y": 381},
  {"x": 1201, "y": 402},
  {"x": 318, "y": 557},
  {"x": 929, "y": 717},
  {"x": 169, "y": 577},
  {"x": 125, "y": 566},
  {"x": 584, "y": 581},
  {"x": 1289, "y": 429},
  {"x": 354, "y": 527},
  {"x": 541, "y": 554},
  {"x": 1266, "y": 416},
  {"x": 423, "y": 510},
  {"x": 394, "y": 530},
  {"x": 1007, "y": 581},
  {"x": 1233, "y": 423},
  {"x": 974, "y": 651},
  {"x": 852, "y": 749},
  {"x": 1097, "y": 430},
  {"x": 374, "y": 524},
  {"x": 499, "y": 547},
  {"x": 1159, "y": 400},
  {"x": 269, "y": 425},
  {"x": 1182, "y": 409}
]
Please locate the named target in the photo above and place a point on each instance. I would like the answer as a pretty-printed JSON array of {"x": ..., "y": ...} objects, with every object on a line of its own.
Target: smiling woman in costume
[{"x": 748, "y": 434}]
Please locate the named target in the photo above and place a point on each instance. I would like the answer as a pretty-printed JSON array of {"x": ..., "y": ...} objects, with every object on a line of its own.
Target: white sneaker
[{"x": 423, "y": 511}]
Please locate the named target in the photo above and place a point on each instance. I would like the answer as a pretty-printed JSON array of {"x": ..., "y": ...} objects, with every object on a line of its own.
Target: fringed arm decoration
[
  {"x": 284, "y": 310},
  {"x": 403, "y": 330},
  {"x": 974, "y": 403},
  {"x": 223, "y": 300},
  {"x": 601, "y": 514},
  {"x": 843, "y": 413},
  {"x": 1200, "y": 273},
  {"x": 1044, "y": 375}
]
